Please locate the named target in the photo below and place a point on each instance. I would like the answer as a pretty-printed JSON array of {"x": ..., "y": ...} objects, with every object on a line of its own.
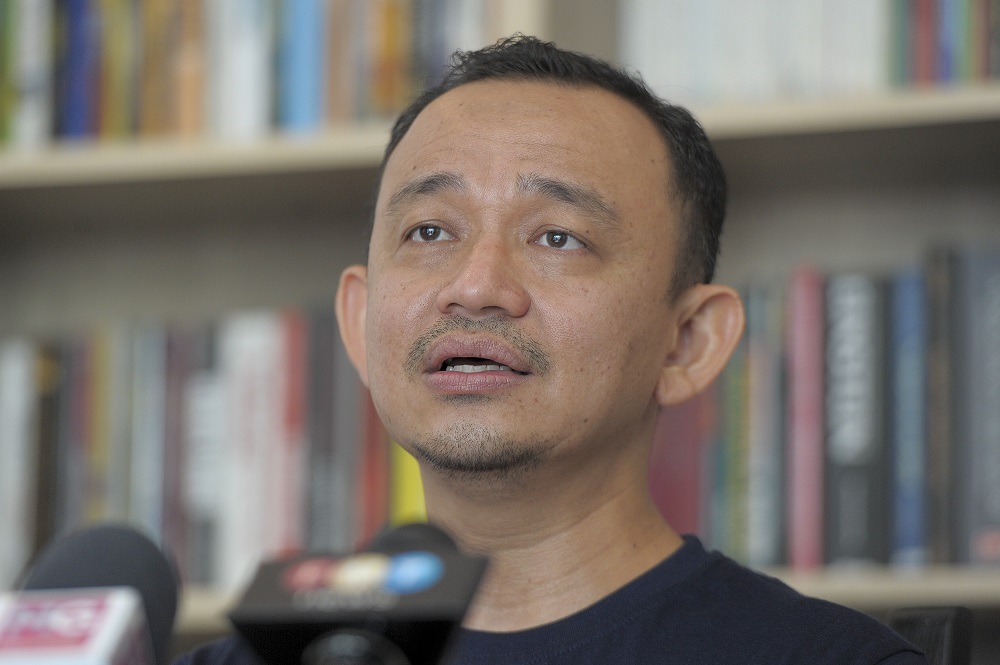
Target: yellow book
[
  {"x": 406, "y": 489},
  {"x": 118, "y": 63}
]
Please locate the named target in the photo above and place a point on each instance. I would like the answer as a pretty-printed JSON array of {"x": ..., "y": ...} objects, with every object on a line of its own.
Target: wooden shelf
[
  {"x": 880, "y": 589},
  {"x": 361, "y": 147},
  {"x": 918, "y": 107},
  {"x": 204, "y": 611},
  {"x": 91, "y": 163}
]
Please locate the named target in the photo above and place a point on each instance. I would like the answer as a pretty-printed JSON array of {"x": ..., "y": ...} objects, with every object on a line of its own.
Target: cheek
[{"x": 612, "y": 335}]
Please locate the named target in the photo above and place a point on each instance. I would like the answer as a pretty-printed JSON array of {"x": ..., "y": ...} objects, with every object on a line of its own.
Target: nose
[{"x": 486, "y": 280}]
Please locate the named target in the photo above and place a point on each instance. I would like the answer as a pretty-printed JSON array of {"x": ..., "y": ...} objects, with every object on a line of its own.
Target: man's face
[{"x": 518, "y": 273}]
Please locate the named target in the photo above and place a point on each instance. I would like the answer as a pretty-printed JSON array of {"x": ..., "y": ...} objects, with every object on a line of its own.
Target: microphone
[
  {"x": 105, "y": 595},
  {"x": 398, "y": 602}
]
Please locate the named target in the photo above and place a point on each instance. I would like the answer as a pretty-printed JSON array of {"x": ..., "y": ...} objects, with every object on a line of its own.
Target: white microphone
[{"x": 101, "y": 596}]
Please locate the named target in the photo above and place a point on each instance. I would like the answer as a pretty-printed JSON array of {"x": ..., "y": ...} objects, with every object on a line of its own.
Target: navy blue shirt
[{"x": 695, "y": 607}]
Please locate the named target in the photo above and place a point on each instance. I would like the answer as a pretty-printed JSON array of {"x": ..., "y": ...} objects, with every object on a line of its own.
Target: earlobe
[
  {"x": 352, "y": 308},
  {"x": 709, "y": 326}
]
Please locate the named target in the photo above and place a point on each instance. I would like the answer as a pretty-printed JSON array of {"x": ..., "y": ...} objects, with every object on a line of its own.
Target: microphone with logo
[
  {"x": 396, "y": 603},
  {"x": 104, "y": 595}
]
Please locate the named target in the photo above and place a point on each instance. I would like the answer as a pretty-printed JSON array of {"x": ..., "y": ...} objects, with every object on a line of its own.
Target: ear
[
  {"x": 352, "y": 308},
  {"x": 710, "y": 322}
]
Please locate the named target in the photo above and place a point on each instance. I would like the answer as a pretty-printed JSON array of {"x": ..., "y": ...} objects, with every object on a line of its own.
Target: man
[{"x": 538, "y": 286}]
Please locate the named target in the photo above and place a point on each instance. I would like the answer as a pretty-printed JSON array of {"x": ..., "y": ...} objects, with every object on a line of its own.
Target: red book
[
  {"x": 805, "y": 419},
  {"x": 373, "y": 490},
  {"x": 925, "y": 42},
  {"x": 676, "y": 464},
  {"x": 291, "y": 458}
]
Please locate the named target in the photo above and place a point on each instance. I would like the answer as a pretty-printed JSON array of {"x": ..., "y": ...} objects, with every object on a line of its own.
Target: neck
[{"x": 552, "y": 552}]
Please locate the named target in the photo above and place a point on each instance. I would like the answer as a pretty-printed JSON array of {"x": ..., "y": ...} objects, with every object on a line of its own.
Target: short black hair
[{"x": 699, "y": 180}]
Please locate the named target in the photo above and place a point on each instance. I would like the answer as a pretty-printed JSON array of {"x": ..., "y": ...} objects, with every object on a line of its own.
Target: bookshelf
[
  {"x": 94, "y": 163},
  {"x": 91, "y": 232},
  {"x": 204, "y": 610}
]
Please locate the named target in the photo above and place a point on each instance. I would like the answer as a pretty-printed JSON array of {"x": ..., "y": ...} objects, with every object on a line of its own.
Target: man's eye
[
  {"x": 429, "y": 233},
  {"x": 559, "y": 240}
]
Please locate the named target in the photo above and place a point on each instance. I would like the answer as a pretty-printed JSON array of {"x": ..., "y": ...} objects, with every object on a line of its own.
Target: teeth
[{"x": 477, "y": 368}]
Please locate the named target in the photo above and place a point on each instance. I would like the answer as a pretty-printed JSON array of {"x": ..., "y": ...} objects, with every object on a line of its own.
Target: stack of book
[
  {"x": 857, "y": 423},
  {"x": 717, "y": 51},
  {"x": 233, "y": 69},
  {"x": 247, "y": 437}
]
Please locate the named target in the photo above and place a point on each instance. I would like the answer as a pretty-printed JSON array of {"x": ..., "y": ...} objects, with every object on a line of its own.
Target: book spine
[
  {"x": 676, "y": 473},
  {"x": 322, "y": 340},
  {"x": 765, "y": 415},
  {"x": 301, "y": 64},
  {"x": 18, "y": 414},
  {"x": 856, "y": 515},
  {"x": 805, "y": 420},
  {"x": 189, "y": 69},
  {"x": 148, "y": 429},
  {"x": 346, "y": 460},
  {"x": 373, "y": 491},
  {"x": 78, "y": 68},
  {"x": 30, "y": 70},
  {"x": 908, "y": 390},
  {"x": 290, "y": 470},
  {"x": 977, "y": 393},
  {"x": 406, "y": 488},
  {"x": 942, "y": 312},
  {"x": 203, "y": 432}
]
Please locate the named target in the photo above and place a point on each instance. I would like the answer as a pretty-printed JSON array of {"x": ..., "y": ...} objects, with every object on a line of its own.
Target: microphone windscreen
[
  {"x": 409, "y": 537},
  {"x": 111, "y": 555}
]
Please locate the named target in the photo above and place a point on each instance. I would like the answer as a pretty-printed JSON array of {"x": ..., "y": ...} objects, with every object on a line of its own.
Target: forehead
[{"x": 495, "y": 130}]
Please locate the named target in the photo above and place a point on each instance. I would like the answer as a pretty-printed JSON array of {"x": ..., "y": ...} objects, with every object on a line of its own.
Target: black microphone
[
  {"x": 398, "y": 602},
  {"x": 104, "y": 594}
]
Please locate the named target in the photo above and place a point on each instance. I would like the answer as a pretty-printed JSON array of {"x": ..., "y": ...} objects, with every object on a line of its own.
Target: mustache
[{"x": 498, "y": 326}]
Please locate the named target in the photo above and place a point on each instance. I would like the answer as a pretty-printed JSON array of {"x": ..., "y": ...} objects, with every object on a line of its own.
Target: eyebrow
[
  {"x": 584, "y": 199},
  {"x": 426, "y": 186}
]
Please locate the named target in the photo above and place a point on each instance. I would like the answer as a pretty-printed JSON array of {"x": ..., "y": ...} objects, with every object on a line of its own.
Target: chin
[{"x": 475, "y": 452}]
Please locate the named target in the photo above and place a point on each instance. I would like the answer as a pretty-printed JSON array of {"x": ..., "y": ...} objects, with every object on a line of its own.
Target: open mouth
[{"x": 473, "y": 365}]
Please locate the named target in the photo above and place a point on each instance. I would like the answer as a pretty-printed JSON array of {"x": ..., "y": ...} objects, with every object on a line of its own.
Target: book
[
  {"x": 323, "y": 338},
  {"x": 856, "y": 513},
  {"x": 119, "y": 60},
  {"x": 26, "y": 85},
  {"x": 73, "y": 470},
  {"x": 239, "y": 48},
  {"x": 77, "y": 68},
  {"x": 188, "y": 72},
  {"x": 941, "y": 449},
  {"x": 301, "y": 65},
  {"x": 678, "y": 478},
  {"x": 346, "y": 412},
  {"x": 203, "y": 433},
  {"x": 49, "y": 381},
  {"x": 148, "y": 429},
  {"x": 341, "y": 66},
  {"x": 805, "y": 419},
  {"x": 406, "y": 489},
  {"x": 290, "y": 447},
  {"x": 156, "y": 93},
  {"x": 908, "y": 426},
  {"x": 174, "y": 528},
  {"x": 250, "y": 349},
  {"x": 976, "y": 393},
  {"x": 728, "y": 520},
  {"x": 765, "y": 537},
  {"x": 372, "y": 500},
  {"x": 18, "y": 424}
]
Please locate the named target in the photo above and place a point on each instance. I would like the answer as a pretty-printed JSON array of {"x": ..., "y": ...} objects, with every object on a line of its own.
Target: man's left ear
[{"x": 710, "y": 322}]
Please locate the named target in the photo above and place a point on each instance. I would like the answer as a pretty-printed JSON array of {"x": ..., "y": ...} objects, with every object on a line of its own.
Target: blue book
[
  {"x": 79, "y": 65},
  {"x": 301, "y": 65},
  {"x": 908, "y": 389}
]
